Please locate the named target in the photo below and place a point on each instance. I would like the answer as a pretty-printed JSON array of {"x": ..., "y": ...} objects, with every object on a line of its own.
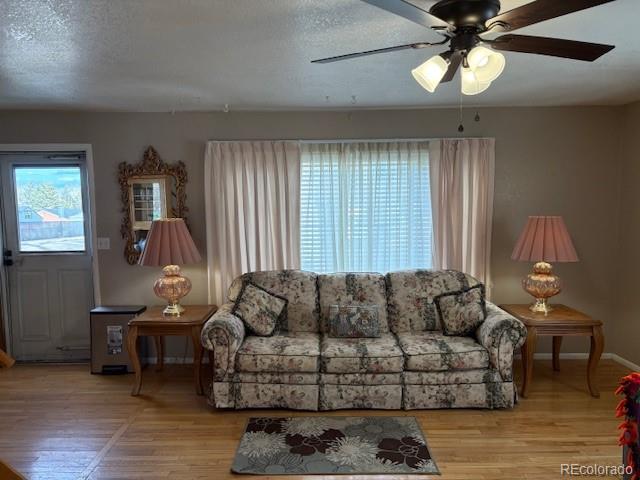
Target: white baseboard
[
  {"x": 566, "y": 356},
  {"x": 585, "y": 356},
  {"x": 625, "y": 362}
]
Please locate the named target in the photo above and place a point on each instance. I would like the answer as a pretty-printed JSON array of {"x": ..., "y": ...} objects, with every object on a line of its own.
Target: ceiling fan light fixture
[
  {"x": 471, "y": 85},
  {"x": 430, "y": 73},
  {"x": 486, "y": 63}
]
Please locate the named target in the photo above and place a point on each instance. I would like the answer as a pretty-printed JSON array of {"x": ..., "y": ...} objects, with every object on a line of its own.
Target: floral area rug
[{"x": 333, "y": 445}]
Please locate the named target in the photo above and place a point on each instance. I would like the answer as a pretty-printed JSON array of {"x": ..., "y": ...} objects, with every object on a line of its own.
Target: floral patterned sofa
[{"x": 412, "y": 365}]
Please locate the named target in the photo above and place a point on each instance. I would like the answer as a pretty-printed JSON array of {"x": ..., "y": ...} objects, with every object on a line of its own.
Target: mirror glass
[{"x": 150, "y": 200}]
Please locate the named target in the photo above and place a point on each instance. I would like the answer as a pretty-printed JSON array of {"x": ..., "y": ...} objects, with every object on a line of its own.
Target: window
[
  {"x": 49, "y": 204},
  {"x": 365, "y": 206}
]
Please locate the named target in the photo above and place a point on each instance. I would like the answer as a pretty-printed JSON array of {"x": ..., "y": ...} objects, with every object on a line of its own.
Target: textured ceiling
[{"x": 163, "y": 55}]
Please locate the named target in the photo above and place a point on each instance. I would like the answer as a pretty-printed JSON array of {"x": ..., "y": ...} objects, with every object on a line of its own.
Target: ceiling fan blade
[
  {"x": 371, "y": 52},
  {"x": 555, "y": 47},
  {"x": 411, "y": 12},
  {"x": 454, "y": 64},
  {"x": 539, "y": 11}
]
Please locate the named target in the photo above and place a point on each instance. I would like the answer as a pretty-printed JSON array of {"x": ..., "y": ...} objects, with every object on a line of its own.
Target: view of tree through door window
[{"x": 49, "y": 209}]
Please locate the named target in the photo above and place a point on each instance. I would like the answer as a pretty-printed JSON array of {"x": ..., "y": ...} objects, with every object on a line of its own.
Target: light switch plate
[{"x": 104, "y": 243}]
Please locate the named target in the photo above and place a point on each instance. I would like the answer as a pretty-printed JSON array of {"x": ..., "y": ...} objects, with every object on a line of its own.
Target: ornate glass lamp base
[
  {"x": 173, "y": 310},
  {"x": 541, "y": 306},
  {"x": 541, "y": 284},
  {"x": 172, "y": 286}
]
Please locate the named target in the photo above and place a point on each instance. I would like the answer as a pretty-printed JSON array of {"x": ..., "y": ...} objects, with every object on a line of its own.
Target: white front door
[{"x": 47, "y": 254}]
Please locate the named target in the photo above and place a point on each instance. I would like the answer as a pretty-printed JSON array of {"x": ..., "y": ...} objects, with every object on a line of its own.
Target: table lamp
[
  {"x": 543, "y": 240},
  {"x": 169, "y": 244}
]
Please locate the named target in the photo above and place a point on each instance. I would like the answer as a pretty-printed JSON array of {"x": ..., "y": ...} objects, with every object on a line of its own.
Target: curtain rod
[{"x": 349, "y": 140}]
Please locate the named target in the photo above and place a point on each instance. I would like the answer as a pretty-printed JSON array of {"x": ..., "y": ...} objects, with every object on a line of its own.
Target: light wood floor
[{"x": 60, "y": 422}]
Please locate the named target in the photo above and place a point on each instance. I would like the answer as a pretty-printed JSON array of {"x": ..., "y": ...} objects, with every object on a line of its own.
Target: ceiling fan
[{"x": 464, "y": 23}]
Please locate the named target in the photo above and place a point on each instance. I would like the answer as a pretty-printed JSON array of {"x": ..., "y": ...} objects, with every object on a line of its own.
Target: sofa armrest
[
  {"x": 223, "y": 334},
  {"x": 501, "y": 334}
]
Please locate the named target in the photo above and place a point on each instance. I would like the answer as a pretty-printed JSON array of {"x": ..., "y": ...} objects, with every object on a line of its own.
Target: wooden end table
[
  {"x": 153, "y": 323},
  {"x": 562, "y": 321}
]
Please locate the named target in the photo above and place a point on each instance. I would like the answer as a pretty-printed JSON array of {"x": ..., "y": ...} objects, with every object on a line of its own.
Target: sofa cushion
[
  {"x": 361, "y": 355},
  {"x": 354, "y": 321},
  {"x": 259, "y": 309},
  {"x": 352, "y": 289},
  {"x": 462, "y": 312},
  {"x": 286, "y": 352},
  {"x": 298, "y": 287},
  {"x": 410, "y": 295},
  {"x": 434, "y": 351}
]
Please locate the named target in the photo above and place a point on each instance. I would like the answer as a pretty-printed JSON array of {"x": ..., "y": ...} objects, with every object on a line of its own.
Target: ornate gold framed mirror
[{"x": 150, "y": 190}]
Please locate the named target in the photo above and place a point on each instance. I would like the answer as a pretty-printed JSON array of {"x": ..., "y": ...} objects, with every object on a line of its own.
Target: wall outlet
[{"x": 104, "y": 243}]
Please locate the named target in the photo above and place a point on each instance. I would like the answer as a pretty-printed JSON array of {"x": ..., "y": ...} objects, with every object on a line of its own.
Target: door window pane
[{"x": 49, "y": 204}]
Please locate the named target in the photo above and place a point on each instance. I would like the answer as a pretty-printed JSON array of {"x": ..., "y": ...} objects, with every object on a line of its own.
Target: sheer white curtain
[
  {"x": 462, "y": 180},
  {"x": 365, "y": 206},
  {"x": 252, "y": 209}
]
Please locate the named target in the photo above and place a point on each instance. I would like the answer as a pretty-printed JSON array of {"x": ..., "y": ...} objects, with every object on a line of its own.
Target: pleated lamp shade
[
  {"x": 545, "y": 239},
  {"x": 169, "y": 243}
]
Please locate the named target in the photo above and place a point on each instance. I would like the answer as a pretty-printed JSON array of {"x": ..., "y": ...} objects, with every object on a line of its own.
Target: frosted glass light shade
[
  {"x": 486, "y": 64},
  {"x": 470, "y": 83},
  {"x": 430, "y": 73}
]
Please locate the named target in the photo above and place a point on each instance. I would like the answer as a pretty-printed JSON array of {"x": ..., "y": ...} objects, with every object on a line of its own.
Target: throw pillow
[
  {"x": 463, "y": 311},
  {"x": 353, "y": 321},
  {"x": 259, "y": 309}
]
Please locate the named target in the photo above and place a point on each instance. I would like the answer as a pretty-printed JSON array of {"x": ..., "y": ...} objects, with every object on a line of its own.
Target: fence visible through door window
[{"x": 49, "y": 208}]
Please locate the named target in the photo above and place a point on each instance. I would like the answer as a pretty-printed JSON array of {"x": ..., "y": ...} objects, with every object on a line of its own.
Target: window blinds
[{"x": 365, "y": 206}]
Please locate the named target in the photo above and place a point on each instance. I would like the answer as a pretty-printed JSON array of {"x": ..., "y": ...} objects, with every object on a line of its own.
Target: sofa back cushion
[
  {"x": 350, "y": 289},
  {"x": 410, "y": 296},
  {"x": 298, "y": 287}
]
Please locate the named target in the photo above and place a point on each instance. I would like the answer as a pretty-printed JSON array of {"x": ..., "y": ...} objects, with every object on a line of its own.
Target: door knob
[{"x": 7, "y": 257}]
